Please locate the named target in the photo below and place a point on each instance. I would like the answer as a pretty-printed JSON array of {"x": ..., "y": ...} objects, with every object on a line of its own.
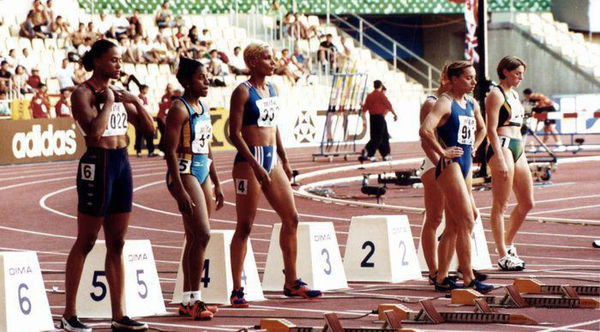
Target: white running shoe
[
  {"x": 512, "y": 251},
  {"x": 510, "y": 263},
  {"x": 560, "y": 148},
  {"x": 73, "y": 325}
]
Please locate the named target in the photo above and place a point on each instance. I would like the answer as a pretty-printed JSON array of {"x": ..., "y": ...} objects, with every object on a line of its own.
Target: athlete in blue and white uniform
[
  {"x": 510, "y": 170},
  {"x": 460, "y": 129},
  {"x": 254, "y": 109},
  {"x": 188, "y": 135}
]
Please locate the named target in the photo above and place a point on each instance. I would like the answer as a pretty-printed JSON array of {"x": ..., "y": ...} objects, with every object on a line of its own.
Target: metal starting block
[
  {"x": 429, "y": 314},
  {"x": 514, "y": 299},
  {"x": 332, "y": 324},
  {"x": 533, "y": 286}
]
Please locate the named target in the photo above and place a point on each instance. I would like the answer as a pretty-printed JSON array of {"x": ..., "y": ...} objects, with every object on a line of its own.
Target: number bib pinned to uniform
[
  {"x": 466, "y": 130},
  {"x": 268, "y": 108},
  {"x": 203, "y": 137},
  {"x": 117, "y": 121}
]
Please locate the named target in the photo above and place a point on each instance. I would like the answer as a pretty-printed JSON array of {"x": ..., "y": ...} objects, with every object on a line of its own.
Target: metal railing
[{"x": 420, "y": 69}]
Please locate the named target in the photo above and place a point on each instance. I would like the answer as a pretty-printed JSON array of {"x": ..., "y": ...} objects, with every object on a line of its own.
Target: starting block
[
  {"x": 319, "y": 262},
  {"x": 216, "y": 283},
  {"x": 142, "y": 294},
  {"x": 533, "y": 286},
  {"x": 514, "y": 299},
  {"x": 332, "y": 324},
  {"x": 24, "y": 305},
  {"x": 381, "y": 248},
  {"x": 480, "y": 255},
  {"x": 429, "y": 314}
]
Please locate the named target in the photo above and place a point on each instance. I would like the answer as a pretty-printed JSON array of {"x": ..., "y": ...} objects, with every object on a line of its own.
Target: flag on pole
[{"x": 471, "y": 27}]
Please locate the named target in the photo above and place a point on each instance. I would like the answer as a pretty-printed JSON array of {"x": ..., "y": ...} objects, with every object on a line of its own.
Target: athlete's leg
[
  {"x": 457, "y": 194},
  {"x": 87, "y": 233},
  {"x": 434, "y": 208},
  {"x": 501, "y": 187},
  {"x": 279, "y": 194},
  {"x": 246, "y": 200},
  {"x": 447, "y": 244},
  {"x": 115, "y": 228},
  {"x": 523, "y": 189}
]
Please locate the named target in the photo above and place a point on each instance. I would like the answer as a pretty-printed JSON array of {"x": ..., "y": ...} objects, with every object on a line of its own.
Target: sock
[
  {"x": 186, "y": 298},
  {"x": 195, "y": 296}
]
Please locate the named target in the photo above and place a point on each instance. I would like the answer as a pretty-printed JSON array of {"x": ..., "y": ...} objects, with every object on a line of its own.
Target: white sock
[
  {"x": 186, "y": 298},
  {"x": 195, "y": 296}
]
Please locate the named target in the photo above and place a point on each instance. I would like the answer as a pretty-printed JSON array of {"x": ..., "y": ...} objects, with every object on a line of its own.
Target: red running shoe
[
  {"x": 184, "y": 310},
  {"x": 200, "y": 312},
  {"x": 300, "y": 289},
  {"x": 237, "y": 299}
]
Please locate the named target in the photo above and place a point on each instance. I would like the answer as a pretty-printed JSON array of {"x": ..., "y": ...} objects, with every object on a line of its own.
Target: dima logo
[{"x": 47, "y": 143}]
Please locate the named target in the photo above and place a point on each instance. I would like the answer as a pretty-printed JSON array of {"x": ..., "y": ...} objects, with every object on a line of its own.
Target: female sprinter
[
  {"x": 460, "y": 129},
  {"x": 188, "y": 154},
  {"x": 507, "y": 160},
  {"x": 104, "y": 183},
  {"x": 253, "y": 131}
]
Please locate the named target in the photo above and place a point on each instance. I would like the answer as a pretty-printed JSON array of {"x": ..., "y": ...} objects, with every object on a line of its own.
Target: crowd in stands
[{"x": 19, "y": 75}]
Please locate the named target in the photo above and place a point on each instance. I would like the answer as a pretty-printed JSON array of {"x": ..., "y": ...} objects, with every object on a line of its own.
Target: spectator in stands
[
  {"x": 34, "y": 79},
  {"x": 206, "y": 38},
  {"x": 26, "y": 60},
  {"x": 148, "y": 51},
  {"x": 60, "y": 30},
  {"x": 137, "y": 23},
  {"x": 282, "y": 68},
  {"x": 277, "y": 12},
  {"x": 12, "y": 60},
  {"x": 193, "y": 35},
  {"x": 103, "y": 25},
  {"x": 163, "y": 15},
  {"x": 85, "y": 47},
  {"x": 126, "y": 50},
  {"x": 289, "y": 24},
  {"x": 236, "y": 63},
  {"x": 110, "y": 33},
  {"x": 216, "y": 69},
  {"x": 80, "y": 73},
  {"x": 4, "y": 106},
  {"x": 5, "y": 74},
  {"x": 301, "y": 61},
  {"x": 65, "y": 76},
  {"x": 120, "y": 24},
  {"x": 79, "y": 35},
  {"x": 136, "y": 47},
  {"x": 161, "y": 50},
  {"x": 40, "y": 18},
  {"x": 131, "y": 32},
  {"x": 347, "y": 44},
  {"x": 306, "y": 32},
  {"x": 543, "y": 104},
  {"x": 40, "y": 104},
  {"x": 377, "y": 105},
  {"x": 327, "y": 53},
  {"x": 63, "y": 106},
  {"x": 27, "y": 28},
  {"x": 163, "y": 109},
  {"x": 92, "y": 31},
  {"x": 139, "y": 137},
  {"x": 19, "y": 80}
]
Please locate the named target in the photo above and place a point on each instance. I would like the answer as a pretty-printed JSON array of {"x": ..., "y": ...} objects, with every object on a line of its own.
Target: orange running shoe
[
  {"x": 300, "y": 289},
  {"x": 200, "y": 312},
  {"x": 184, "y": 310}
]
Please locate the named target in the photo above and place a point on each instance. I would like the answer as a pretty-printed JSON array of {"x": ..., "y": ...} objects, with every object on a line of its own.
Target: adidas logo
[{"x": 269, "y": 154}]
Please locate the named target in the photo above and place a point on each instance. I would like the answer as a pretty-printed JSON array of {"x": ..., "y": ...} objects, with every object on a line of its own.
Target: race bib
[
  {"x": 185, "y": 166},
  {"x": 466, "y": 130},
  {"x": 117, "y": 121},
  {"x": 203, "y": 137},
  {"x": 268, "y": 108},
  {"x": 517, "y": 112}
]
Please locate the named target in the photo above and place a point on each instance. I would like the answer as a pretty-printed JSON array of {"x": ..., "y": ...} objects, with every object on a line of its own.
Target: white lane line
[
  {"x": 194, "y": 327},
  {"x": 37, "y": 251},
  {"x": 566, "y": 209},
  {"x": 311, "y": 310},
  {"x": 561, "y": 328},
  {"x": 550, "y": 200},
  {"x": 20, "y": 230}
]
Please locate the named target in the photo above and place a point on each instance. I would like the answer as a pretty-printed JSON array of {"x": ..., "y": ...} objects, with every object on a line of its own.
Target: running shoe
[
  {"x": 184, "y": 310},
  {"x": 512, "y": 251},
  {"x": 478, "y": 275},
  {"x": 199, "y": 311},
  {"x": 300, "y": 289},
  {"x": 387, "y": 158},
  {"x": 432, "y": 279},
  {"x": 510, "y": 263},
  {"x": 480, "y": 286},
  {"x": 74, "y": 325},
  {"x": 127, "y": 323},
  {"x": 237, "y": 299},
  {"x": 447, "y": 285}
]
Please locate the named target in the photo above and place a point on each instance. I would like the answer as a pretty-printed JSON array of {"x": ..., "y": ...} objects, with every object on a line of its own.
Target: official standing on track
[
  {"x": 460, "y": 129},
  {"x": 507, "y": 160},
  {"x": 377, "y": 104},
  {"x": 104, "y": 182},
  {"x": 188, "y": 136},
  {"x": 255, "y": 105}
]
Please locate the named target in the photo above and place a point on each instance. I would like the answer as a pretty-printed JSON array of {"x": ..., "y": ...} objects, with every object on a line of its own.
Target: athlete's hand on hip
[
  {"x": 219, "y": 198},
  {"x": 262, "y": 176},
  {"x": 453, "y": 152},
  {"x": 288, "y": 170},
  {"x": 395, "y": 117}
]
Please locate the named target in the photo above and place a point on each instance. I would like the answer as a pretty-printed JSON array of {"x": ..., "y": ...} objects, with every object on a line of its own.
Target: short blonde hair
[{"x": 253, "y": 51}]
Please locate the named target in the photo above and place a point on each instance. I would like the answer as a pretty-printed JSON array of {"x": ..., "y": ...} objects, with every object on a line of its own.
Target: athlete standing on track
[
  {"x": 253, "y": 131},
  {"x": 104, "y": 182},
  {"x": 507, "y": 160},
  {"x": 461, "y": 129},
  {"x": 187, "y": 145}
]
